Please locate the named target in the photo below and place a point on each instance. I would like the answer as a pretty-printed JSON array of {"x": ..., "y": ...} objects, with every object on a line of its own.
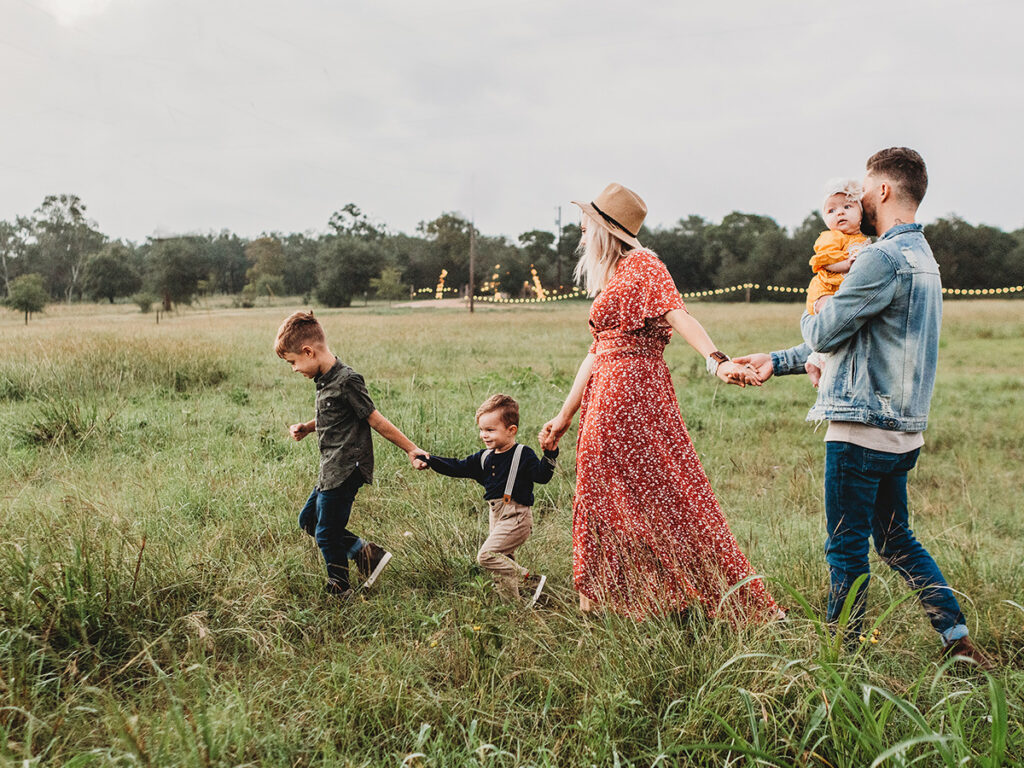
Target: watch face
[{"x": 720, "y": 356}]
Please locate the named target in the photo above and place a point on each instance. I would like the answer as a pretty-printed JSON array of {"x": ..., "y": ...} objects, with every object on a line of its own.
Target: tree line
[{"x": 59, "y": 254}]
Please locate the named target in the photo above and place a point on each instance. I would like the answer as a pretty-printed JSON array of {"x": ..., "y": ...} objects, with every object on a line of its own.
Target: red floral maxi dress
[{"x": 648, "y": 534}]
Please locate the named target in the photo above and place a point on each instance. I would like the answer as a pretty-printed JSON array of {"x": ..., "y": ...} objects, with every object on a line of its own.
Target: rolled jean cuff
[
  {"x": 954, "y": 633},
  {"x": 360, "y": 543}
]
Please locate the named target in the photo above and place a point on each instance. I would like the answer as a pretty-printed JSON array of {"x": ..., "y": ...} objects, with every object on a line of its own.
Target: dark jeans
[
  {"x": 866, "y": 494},
  {"x": 325, "y": 517}
]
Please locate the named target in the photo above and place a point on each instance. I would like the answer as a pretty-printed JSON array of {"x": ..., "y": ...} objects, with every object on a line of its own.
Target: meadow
[{"x": 160, "y": 607}]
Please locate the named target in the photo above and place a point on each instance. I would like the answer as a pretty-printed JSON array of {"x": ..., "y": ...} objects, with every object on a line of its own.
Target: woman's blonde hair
[{"x": 599, "y": 253}]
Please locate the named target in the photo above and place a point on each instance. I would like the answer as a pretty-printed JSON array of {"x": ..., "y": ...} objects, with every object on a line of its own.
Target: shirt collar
[
  {"x": 324, "y": 378},
  {"x": 899, "y": 229}
]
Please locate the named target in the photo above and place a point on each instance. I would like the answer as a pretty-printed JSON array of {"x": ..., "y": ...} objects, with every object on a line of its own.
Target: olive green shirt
[{"x": 342, "y": 407}]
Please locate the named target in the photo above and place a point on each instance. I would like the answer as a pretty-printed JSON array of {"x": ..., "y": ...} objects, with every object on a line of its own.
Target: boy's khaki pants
[{"x": 511, "y": 524}]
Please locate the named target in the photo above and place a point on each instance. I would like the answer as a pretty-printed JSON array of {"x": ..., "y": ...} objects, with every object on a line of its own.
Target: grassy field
[{"x": 160, "y": 607}]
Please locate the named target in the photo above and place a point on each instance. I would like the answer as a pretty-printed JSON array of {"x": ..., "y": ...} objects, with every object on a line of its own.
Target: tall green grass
[{"x": 158, "y": 605}]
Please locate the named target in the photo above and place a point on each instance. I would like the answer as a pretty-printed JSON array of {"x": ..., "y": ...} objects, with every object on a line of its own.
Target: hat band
[{"x": 610, "y": 220}]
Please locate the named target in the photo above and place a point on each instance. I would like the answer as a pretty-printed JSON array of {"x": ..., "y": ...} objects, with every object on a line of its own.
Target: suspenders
[{"x": 513, "y": 470}]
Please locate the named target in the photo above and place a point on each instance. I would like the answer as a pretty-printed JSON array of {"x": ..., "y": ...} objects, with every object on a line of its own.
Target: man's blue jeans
[
  {"x": 866, "y": 494},
  {"x": 325, "y": 517}
]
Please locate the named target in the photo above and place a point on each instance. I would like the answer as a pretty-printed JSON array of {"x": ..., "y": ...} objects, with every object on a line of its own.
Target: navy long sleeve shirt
[{"x": 492, "y": 473}]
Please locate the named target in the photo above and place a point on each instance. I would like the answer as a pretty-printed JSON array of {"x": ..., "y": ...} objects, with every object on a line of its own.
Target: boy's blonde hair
[
  {"x": 842, "y": 185},
  {"x": 599, "y": 252},
  {"x": 299, "y": 329},
  {"x": 506, "y": 407}
]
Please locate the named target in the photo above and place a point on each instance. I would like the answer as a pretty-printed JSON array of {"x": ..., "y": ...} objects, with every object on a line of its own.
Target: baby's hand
[{"x": 813, "y": 372}]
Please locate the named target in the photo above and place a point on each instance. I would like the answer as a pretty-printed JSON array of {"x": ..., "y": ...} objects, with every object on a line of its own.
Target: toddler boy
[
  {"x": 507, "y": 471},
  {"x": 344, "y": 415}
]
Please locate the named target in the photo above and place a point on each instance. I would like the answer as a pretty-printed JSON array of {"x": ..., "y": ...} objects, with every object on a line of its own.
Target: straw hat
[{"x": 619, "y": 210}]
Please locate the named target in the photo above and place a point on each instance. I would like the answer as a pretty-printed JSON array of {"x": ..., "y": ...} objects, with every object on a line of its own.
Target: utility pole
[
  {"x": 472, "y": 261},
  {"x": 558, "y": 246}
]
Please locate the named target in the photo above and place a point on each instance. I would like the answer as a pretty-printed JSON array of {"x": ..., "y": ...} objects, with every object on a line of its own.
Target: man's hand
[
  {"x": 761, "y": 363},
  {"x": 820, "y": 302},
  {"x": 814, "y": 372},
  {"x": 299, "y": 431},
  {"x": 418, "y": 458}
]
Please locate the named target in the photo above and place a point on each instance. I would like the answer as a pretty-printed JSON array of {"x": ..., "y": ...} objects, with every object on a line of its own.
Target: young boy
[
  {"x": 835, "y": 250},
  {"x": 507, "y": 471},
  {"x": 344, "y": 415}
]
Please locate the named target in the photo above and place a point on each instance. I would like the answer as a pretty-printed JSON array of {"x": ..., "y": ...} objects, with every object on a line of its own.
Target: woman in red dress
[{"x": 648, "y": 535}]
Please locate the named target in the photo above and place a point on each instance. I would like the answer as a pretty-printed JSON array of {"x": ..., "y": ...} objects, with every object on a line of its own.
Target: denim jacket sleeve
[
  {"x": 867, "y": 290},
  {"x": 787, "y": 361}
]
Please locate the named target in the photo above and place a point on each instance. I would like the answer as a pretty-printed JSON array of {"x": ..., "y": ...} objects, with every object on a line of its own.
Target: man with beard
[{"x": 882, "y": 328}]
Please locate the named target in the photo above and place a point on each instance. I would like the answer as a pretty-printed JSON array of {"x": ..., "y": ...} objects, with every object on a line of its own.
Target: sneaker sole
[
  {"x": 537, "y": 591},
  {"x": 376, "y": 571}
]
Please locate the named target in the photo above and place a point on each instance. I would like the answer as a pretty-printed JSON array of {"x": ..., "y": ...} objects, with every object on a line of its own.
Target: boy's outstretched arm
[
  {"x": 393, "y": 434},
  {"x": 468, "y": 467},
  {"x": 544, "y": 469}
]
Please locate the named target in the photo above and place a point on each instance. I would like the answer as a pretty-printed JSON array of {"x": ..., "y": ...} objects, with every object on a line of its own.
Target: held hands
[
  {"x": 552, "y": 432},
  {"x": 418, "y": 458},
  {"x": 299, "y": 431},
  {"x": 734, "y": 372},
  {"x": 759, "y": 362}
]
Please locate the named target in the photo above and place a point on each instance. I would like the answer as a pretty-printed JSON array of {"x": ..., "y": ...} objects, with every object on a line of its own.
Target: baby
[{"x": 834, "y": 252}]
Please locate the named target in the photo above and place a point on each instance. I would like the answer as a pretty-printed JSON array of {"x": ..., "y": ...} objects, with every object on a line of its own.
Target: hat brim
[{"x": 591, "y": 211}]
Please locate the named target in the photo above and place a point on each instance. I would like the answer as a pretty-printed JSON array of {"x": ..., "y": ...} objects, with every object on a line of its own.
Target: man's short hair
[
  {"x": 506, "y": 407},
  {"x": 299, "y": 329},
  {"x": 905, "y": 168}
]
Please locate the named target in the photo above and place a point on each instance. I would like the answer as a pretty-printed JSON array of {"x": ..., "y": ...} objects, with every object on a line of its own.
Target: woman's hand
[
  {"x": 552, "y": 432},
  {"x": 735, "y": 373}
]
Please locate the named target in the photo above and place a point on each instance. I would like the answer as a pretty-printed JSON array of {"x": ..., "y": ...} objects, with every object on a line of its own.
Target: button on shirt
[
  {"x": 342, "y": 407},
  {"x": 492, "y": 473}
]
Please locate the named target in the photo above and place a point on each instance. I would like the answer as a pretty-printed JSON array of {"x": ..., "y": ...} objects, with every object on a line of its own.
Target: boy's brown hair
[
  {"x": 507, "y": 408},
  {"x": 903, "y": 166},
  {"x": 299, "y": 329}
]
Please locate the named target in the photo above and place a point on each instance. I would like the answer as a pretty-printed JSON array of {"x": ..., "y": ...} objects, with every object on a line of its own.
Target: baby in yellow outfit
[{"x": 834, "y": 251}]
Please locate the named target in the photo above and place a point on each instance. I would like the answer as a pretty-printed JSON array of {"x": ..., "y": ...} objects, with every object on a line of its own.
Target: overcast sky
[{"x": 199, "y": 115}]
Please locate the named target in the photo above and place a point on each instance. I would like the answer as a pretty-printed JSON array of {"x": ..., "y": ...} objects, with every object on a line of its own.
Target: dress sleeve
[
  {"x": 648, "y": 292},
  {"x": 829, "y": 248}
]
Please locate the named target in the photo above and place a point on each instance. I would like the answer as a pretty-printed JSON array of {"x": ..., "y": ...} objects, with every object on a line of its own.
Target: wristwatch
[{"x": 715, "y": 359}]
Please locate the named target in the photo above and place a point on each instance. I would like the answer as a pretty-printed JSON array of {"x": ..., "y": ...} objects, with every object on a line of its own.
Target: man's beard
[{"x": 867, "y": 223}]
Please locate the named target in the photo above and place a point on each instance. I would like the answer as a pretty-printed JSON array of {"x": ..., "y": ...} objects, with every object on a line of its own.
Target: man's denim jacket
[{"x": 882, "y": 328}]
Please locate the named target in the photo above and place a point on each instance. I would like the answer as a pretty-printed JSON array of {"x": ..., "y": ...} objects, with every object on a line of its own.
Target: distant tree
[
  {"x": 226, "y": 262},
  {"x": 28, "y": 294},
  {"x": 448, "y": 236},
  {"x": 266, "y": 275},
  {"x": 566, "y": 253},
  {"x": 974, "y": 256},
  {"x": 299, "y": 263},
  {"x": 111, "y": 273},
  {"x": 65, "y": 239},
  {"x": 537, "y": 247},
  {"x": 682, "y": 248},
  {"x": 389, "y": 285},
  {"x": 14, "y": 237},
  {"x": 350, "y": 221},
  {"x": 346, "y": 266},
  {"x": 176, "y": 267},
  {"x": 730, "y": 245}
]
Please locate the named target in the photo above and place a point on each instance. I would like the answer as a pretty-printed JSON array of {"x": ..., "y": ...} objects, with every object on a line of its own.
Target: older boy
[
  {"x": 344, "y": 415},
  {"x": 507, "y": 471}
]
